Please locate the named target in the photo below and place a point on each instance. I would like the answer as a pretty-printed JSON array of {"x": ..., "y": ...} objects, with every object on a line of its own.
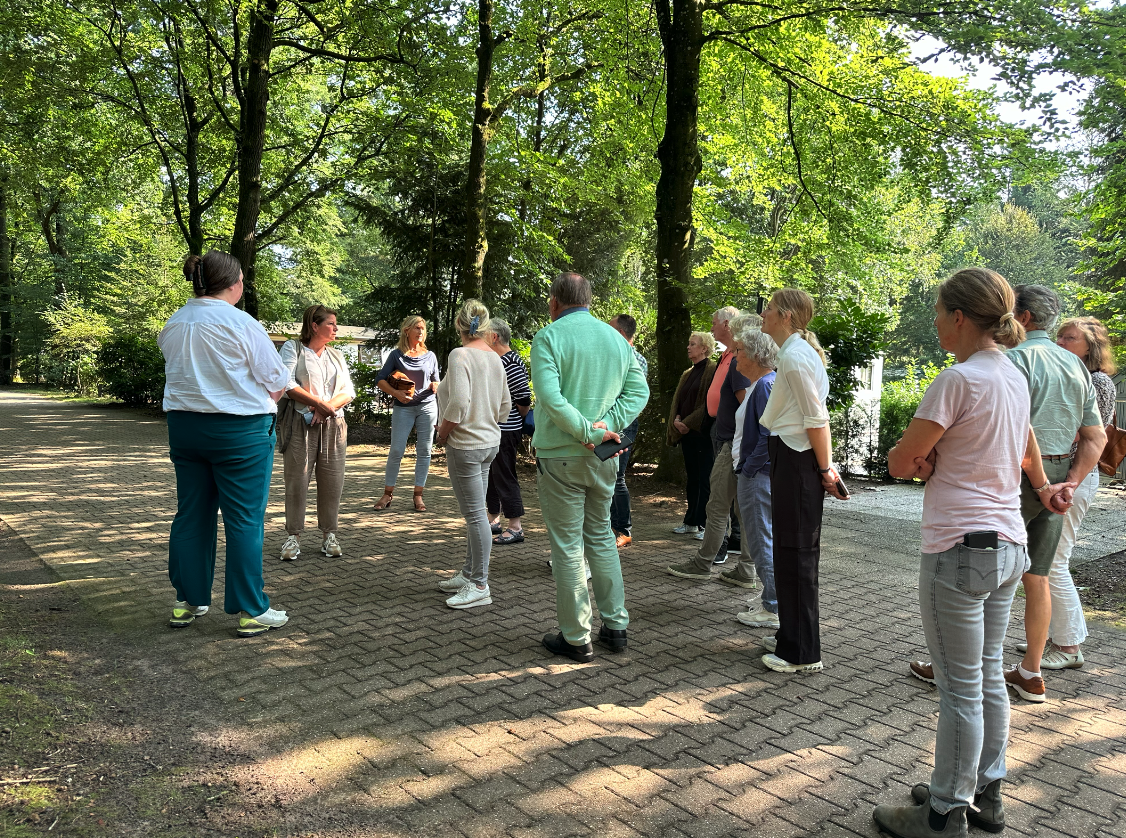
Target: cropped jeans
[
  {"x": 964, "y": 597},
  {"x": 421, "y": 418}
]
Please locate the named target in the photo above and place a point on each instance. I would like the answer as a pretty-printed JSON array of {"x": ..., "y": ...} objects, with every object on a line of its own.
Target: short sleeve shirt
[{"x": 983, "y": 405}]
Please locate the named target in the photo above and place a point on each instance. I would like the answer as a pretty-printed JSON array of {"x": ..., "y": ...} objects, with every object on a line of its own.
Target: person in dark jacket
[{"x": 688, "y": 427}]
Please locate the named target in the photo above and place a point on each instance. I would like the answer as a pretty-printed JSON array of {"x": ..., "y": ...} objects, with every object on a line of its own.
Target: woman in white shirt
[
  {"x": 314, "y": 436},
  {"x": 223, "y": 379},
  {"x": 473, "y": 400},
  {"x": 801, "y": 471}
]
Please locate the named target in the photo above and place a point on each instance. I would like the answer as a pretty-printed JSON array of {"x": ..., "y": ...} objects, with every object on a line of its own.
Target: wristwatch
[
  {"x": 826, "y": 470},
  {"x": 1043, "y": 488}
]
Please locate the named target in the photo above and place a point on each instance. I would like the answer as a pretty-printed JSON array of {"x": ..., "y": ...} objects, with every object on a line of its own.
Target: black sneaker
[
  {"x": 612, "y": 639},
  {"x": 721, "y": 558},
  {"x": 557, "y": 644}
]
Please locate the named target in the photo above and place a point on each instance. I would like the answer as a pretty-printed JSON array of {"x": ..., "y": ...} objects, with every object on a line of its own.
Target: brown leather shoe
[
  {"x": 624, "y": 541},
  {"x": 923, "y": 670},
  {"x": 1030, "y": 689}
]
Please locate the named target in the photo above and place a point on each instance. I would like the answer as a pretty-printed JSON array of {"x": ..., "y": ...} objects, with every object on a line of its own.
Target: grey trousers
[
  {"x": 314, "y": 450},
  {"x": 724, "y": 488},
  {"x": 469, "y": 478}
]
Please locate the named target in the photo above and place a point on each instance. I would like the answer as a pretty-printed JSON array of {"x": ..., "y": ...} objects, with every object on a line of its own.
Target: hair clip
[{"x": 473, "y": 324}]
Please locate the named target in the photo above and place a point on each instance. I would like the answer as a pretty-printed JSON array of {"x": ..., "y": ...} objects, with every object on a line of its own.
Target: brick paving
[{"x": 420, "y": 720}]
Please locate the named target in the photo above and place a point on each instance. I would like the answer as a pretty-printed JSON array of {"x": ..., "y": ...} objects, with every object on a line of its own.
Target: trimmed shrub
[
  {"x": 131, "y": 368},
  {"x": 898, "y": 402}
]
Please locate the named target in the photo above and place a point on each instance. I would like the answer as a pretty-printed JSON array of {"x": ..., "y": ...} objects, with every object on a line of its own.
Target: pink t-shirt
[{"x": 983, "y": 405}]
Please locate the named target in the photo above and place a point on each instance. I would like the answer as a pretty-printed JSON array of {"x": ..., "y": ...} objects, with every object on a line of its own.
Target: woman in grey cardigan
[{"x": 473, "y": 400}]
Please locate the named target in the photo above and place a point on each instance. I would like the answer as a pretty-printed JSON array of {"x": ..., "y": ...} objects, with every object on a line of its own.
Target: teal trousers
[
  {"x": 222, "y": 462},
  {"x": 575, "y": 496}
]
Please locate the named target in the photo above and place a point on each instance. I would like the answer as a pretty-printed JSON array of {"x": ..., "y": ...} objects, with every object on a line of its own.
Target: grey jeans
[
  {"x": 964, "y": 598},
  {"x": 469, "y": 478}
]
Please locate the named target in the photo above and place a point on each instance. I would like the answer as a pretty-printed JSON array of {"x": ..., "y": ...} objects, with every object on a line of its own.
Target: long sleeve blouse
[{"x": 798, "y": 400}]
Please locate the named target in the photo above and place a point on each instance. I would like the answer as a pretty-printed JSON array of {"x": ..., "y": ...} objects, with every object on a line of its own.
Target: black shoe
[
  {"x": 720, "y": 559},
  {"x": 612, "y": 639},
  {"x": 557, "y": 644},
  {"x": 988, "y": 811}
]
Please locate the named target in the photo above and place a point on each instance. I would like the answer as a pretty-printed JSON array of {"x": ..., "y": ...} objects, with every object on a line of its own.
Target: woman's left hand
[{"x": 829, "y": 481}]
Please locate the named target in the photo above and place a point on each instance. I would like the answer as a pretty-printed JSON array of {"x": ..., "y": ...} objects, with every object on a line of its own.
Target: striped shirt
[{"x": 517, "y": 387}]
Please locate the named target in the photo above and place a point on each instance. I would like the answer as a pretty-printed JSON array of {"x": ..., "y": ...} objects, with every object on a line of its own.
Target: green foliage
[
  {"x": 131, "y": 368},
  {"x": 898, "y": 402},
  {"x": 370, "y": 401},
  {"x": 852, "y": 338},
  {"x": 77, "y": 334}
]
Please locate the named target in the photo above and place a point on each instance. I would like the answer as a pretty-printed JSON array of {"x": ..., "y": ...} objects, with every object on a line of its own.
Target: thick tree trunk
[
  {"x": 7, "y": 339},
  {"x": 679, "y": 156},
  {"x": 251, "y": 142},
  {"x": 476, "y": 215}
]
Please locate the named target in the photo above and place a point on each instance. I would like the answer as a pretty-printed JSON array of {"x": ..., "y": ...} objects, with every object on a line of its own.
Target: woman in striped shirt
[{"x": 504, "y": 486}]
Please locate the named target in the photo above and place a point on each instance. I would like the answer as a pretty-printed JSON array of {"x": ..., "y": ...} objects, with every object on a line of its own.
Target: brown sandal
[
  {"x": 385, "y": 501},
  {"x": 419, "y": 506}
]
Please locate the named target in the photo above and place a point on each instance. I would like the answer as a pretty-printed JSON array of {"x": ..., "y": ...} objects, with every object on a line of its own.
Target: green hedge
[
  {"x": 131, "y": 368},
  {"x": 898, "y": 402}
]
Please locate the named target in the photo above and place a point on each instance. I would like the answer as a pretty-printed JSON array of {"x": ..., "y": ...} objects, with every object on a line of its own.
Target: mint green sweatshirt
[{"x": 583, "y": 372}]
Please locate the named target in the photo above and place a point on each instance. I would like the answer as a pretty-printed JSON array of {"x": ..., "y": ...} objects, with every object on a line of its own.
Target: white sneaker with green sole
[{"x": 270, "y": 619}]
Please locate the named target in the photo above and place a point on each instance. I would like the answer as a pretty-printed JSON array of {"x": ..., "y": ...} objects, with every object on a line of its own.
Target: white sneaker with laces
[
  {"x": 470, "y": 596},
  {"x": 291, "y": 549},
  {"x": 778, "y": 665},
  {"x": 453, "y": 584},
  {"x": 699, "y": 535},
  {"x": 330, "y": 546},
  {"x": 760, "y": 618},
  {"x": 249, "y": 626}
]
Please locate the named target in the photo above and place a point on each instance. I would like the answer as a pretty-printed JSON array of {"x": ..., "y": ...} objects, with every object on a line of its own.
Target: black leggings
[{"x": 698, "y": 460}]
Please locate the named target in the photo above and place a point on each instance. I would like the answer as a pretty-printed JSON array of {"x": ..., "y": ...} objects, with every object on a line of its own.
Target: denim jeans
[
  {"x": 1068, "y": 626},
  {"x": 469, "y": 478},
  {"x": 620, "y": 519},
  {"x": 421, "y": 418},
  {"x": 964, "y": 598},
  {"x": 758, "y": 534}
]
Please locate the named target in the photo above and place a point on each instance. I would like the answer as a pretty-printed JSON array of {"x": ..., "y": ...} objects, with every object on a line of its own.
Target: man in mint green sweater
[{"x": 588, "y": 387}]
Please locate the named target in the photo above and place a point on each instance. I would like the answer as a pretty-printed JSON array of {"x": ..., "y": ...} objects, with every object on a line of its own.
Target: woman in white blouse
[
  {"x": 314, "y": 440},
  {"x": 801, "y": 471},
  {"x": 223, "y": 379},
  {"x": 473, "y": 400}
]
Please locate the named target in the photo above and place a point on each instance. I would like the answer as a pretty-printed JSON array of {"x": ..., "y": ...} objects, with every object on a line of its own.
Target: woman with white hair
[{"x": 688, "y": 427}]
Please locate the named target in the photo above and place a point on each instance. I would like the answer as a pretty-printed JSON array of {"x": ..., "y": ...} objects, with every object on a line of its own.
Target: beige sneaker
[
  {"x": 1057, "y": 658},
  {"x": 330, "y": 546},
  {"x": 291, "y": 549}
]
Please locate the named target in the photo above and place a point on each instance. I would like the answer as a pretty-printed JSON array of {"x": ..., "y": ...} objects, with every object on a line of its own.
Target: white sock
[{"x": 1024, "y": 673}]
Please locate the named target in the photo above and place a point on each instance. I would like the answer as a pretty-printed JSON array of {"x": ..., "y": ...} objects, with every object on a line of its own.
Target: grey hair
[
  {"x": 706, "y": 340},
  {"x": 744, "y": 321},
  {"x": 501, "y": 329},
  {"x": 759, "y": 346},
  {"x": 1041, "y": 302},
  {"x": 570, "y": 289},
  {"x": 725, "y": 314}
]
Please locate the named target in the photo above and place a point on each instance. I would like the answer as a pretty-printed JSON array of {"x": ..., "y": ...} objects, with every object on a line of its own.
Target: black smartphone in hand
[
  {"x": 605, "y": 450},
  {"x": 842, "y": 489}
]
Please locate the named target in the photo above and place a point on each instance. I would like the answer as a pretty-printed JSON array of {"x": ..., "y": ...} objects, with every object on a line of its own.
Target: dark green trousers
[{"x": 222, "y": 462}]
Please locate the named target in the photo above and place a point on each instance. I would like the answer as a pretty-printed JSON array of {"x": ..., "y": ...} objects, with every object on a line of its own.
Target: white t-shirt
[
  {"x": 797, "y": 402},
  {"x": 740, "y": 417},
  {"x": 218, "y": 359},
  {"x": 983, "y": 405}
]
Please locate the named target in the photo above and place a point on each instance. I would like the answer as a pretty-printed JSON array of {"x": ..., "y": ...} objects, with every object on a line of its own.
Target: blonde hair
[
  {"x": 799, "y": 305},
  {"x": 473, "y": 319},
  {"x": 706, "y": 340},
  {"x": 1099, "y": 357},
  {"x": 985, "y": 299},
  {"x": 409, "y": 323}
]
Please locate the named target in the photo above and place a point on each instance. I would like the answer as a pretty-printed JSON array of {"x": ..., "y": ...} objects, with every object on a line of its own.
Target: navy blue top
[
  {"x": 753, "y": 454},
  {"x": 421, "y": 370},
  {"x": 728, "y": 404}
]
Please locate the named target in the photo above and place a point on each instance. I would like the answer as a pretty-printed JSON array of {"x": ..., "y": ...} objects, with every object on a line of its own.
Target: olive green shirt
[{"x": 1059, "y": 385}]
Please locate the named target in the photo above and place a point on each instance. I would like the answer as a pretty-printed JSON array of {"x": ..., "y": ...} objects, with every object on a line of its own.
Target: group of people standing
[{"x": 1007, "y": 440}]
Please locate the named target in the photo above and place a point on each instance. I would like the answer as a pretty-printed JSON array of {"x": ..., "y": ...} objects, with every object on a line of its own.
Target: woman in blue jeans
[
  {"x": 968, "y": 439},
  {"x": 410, "y": 377}
]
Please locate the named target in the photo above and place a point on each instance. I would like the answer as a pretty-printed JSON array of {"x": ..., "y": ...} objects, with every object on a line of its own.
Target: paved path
[{"x": 420, "y": 720}]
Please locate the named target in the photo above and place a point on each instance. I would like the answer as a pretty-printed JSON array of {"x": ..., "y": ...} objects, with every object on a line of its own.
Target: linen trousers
[
  {"x": 575, "y": 495},
  {"x": 422, "y": 419},
  {"x": 1068, "y": 626},
  {"x": 503, "y": 494},
  {"x": 964, "y": 599},
  {"x": 797, "y": 504},
  {"x": 223, "y": 462},
  {"x": 469, "y": 477},
  {"x": 620, "y": 518},
  {"x": 758, "y": 532},
  {"x": 723, "y": 493},
  {"x": 698, "y": 459},
  {"x": 315, "y": 450}
]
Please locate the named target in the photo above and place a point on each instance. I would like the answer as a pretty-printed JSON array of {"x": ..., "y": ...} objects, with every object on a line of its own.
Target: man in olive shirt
[{"x": 1063, "y": 406}]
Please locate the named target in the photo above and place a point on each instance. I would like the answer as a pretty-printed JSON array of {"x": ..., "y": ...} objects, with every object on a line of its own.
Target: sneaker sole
[
  {"x": 182, "y": 622},
  {"x": 757, "y": 623},
  {"x": 739, "y": 583},
  {"x": 1068, "y": 665},
  {"x": 290, "y": 558},
  {"x": 1027, "y": 696},
  {"x": 680, "y": 573},
  {"x": 925, "y": 680},
  {"x": 463, "y": 605},
  {"x": 795, "y": 667},
  {"x": 255, "y": 630}
]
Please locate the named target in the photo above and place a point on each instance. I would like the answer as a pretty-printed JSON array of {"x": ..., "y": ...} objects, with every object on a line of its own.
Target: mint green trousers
[{"x": 575, "y": 496}]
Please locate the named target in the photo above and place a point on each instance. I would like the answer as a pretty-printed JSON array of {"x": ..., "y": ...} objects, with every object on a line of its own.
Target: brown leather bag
[
  {"x": 401, "y": 381},
  {"x": 1114, "y": 452}
]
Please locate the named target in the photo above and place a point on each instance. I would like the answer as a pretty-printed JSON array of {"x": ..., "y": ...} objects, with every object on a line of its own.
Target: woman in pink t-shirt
[{"x": 968, "y": 440}]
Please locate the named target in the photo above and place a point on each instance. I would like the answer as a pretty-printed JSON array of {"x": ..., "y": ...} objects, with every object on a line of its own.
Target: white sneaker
[
  {"x": 330, "y": 546},
  {"x": 470, "y": 596},
  {"x": 760, "y": 618},
  {"x": 249, "y": 626},
  {"x": 685, "y": 529},
  {"x": 699, "y": 536},
  {"x": 453, "y": 584},
  {"x": 291, "y": 549},
  {"x": 778, "y": 665},
  {"x": 770, "y": 643},
  {"x": 184, "y": 614}
]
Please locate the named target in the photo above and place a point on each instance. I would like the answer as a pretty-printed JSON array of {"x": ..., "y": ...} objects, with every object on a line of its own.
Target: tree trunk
[
  {"x": 7, "y": 339},
  {"x": 682, "y": 37},
  {"x": 476, "y": 216},
  {"x": 251, "y": 142},
  {"x": 195, "y": 211}
]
